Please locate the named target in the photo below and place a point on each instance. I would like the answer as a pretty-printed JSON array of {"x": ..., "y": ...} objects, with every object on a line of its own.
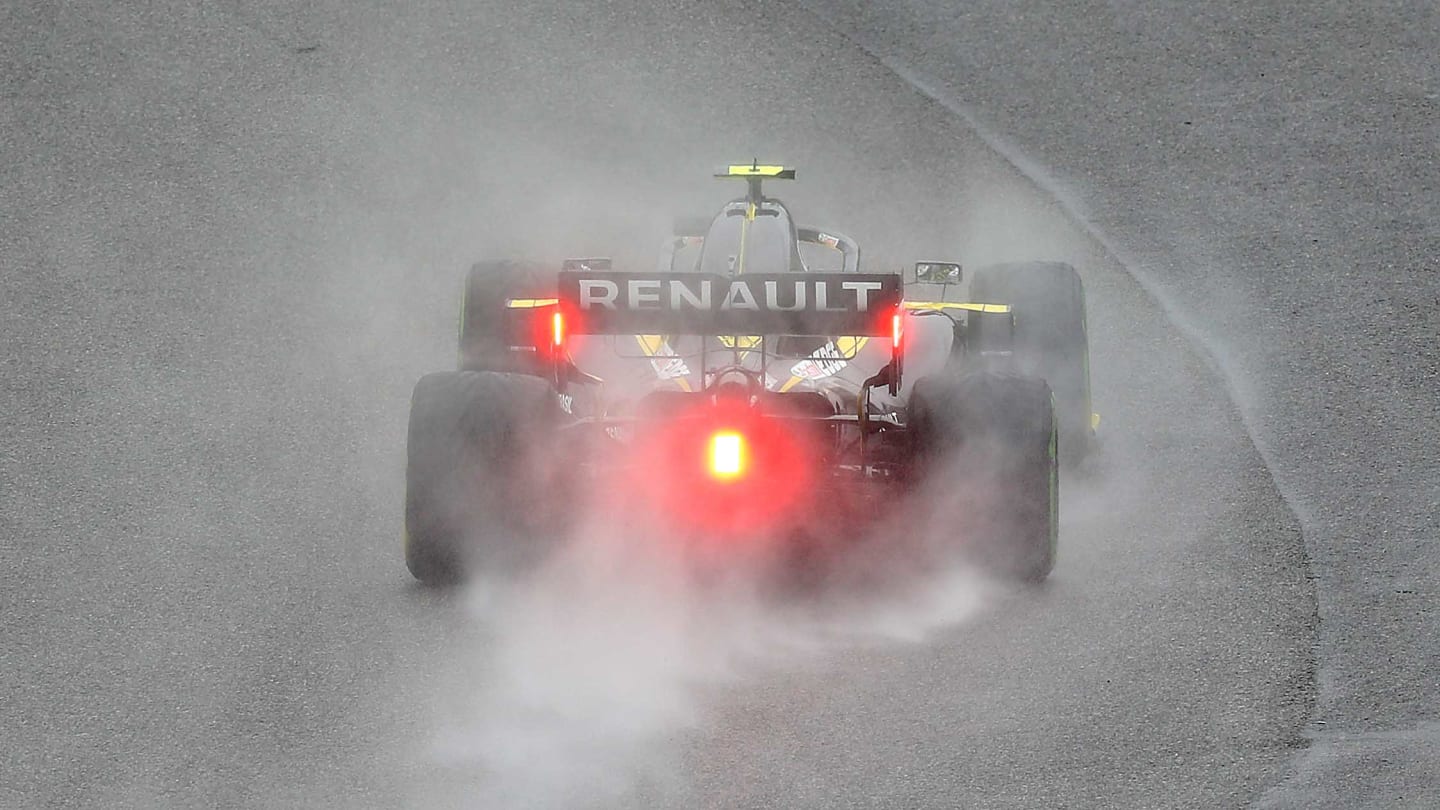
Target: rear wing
[{"x": 603, "y": 302}]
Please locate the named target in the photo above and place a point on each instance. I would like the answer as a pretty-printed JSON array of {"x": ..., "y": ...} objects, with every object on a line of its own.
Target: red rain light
[
  {"x": 723, "y": 472},
  {"x": 557, "y": 329},
  {"x": 895, "y": 327},
  {"x": 727, "y": 455}
]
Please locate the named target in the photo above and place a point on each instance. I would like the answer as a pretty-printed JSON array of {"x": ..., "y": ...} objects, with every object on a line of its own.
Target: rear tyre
[
  {"x": 493, "y": 336},
  {"x": 474, "y": 482},
  {"x": 987, "y": 442},
  {"x": 1050, "y": 338}
]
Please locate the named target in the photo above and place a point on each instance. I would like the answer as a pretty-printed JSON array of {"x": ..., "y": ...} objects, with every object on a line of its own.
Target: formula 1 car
[{"x": 740, "y": 389}]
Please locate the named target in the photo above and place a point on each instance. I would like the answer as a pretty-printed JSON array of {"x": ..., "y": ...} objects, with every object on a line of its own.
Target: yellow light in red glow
[
  {"x": 727, "y": 455},
  {"x": 557, "y": 329}
]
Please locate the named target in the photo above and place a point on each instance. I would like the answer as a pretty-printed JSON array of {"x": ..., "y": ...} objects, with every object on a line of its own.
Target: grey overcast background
[{"x": 231, "y": 239}]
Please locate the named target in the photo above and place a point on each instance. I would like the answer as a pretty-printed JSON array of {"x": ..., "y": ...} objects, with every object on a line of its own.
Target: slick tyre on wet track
[
  {"x": 476, "y": 478},
  {"x": 1051, "y": 342},
  {"x": 986, "y": 445}
]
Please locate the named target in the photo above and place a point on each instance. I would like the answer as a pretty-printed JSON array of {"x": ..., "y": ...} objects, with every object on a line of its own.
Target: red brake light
[
  {"x": 896, "y": 324},
  {"x": 727, "y": 455},
  {"x": 557, "y": 329}
]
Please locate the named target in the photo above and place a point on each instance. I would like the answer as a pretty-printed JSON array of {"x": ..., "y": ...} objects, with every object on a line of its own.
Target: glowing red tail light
[
  {"x": 727, "y": 455},
  {"x": 896, "y": 325},
  {"x": 557, "y": 329}
]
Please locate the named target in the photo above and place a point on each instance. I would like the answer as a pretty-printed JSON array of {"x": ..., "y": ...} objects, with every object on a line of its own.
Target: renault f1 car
[{"x": 758, "y": 381}]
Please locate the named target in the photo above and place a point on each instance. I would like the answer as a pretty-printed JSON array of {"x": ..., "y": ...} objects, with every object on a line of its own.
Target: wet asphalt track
[{"x": 232, "y": 241}]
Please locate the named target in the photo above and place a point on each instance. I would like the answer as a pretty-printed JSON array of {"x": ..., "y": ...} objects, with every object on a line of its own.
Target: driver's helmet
[{"x": 766, "y": 244}]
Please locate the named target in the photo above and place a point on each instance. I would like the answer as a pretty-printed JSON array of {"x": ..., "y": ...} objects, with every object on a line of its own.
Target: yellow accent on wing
[
  {"x": 530, "y": 303},
  {"x": 753, "y": 171},
  {"x": 650, "y": 344},
  {"x": 791, "y": 383},
  {"x": 972, "y": 307},
  {"x": 744, "y": 230},
  {"x": 850, "y": 345},
  {"x": 741, "y": 341}
]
